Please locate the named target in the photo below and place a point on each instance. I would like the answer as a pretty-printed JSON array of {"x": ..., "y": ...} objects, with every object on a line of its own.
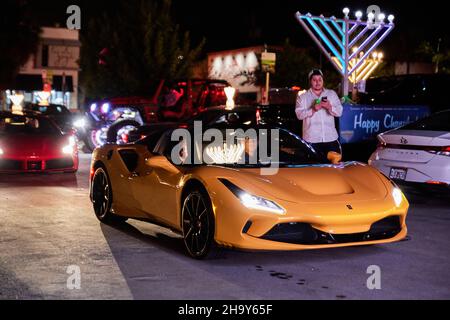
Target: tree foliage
[
  {"x": 19, "y": 38},
  {"x": 292, "y": 67},
  {"x": 140, "y": 45},
  {"x": 436, "y": 53}
]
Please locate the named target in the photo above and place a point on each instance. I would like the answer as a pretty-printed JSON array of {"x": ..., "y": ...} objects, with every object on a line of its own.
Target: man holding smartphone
[{"x": 317, "y": 108}]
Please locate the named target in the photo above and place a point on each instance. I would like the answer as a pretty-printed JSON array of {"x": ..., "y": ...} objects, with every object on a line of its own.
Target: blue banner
[{"x": 364, "y": 122}]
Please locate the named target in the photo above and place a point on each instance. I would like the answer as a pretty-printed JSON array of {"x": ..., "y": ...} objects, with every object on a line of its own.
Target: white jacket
[{"x": 319, "y": 126}]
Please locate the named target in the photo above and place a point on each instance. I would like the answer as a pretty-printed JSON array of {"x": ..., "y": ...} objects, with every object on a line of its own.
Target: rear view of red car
[{"x": 34, "y": 143}]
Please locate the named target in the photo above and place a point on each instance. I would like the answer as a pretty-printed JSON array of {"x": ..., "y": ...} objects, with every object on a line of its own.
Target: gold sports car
[{"x": 220, "y": 194}]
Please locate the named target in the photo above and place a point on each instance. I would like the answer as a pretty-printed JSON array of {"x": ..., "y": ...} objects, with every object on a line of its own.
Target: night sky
[{"x": 239, "y": 23}]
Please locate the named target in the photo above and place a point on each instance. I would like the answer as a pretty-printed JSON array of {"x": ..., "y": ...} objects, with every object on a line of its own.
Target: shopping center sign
[{"x": 268, "y": 61}]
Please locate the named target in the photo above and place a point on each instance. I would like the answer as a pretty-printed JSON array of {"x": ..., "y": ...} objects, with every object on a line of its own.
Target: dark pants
[{"x": 324, "y": 147}]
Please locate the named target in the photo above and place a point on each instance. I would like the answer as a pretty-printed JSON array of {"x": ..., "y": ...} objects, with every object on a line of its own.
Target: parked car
[
  {"x": 172, "y": 101},
  {"x": 31, "y": 142},
  {"x": 412, "y": 89},
  {"x": 418, "y": 152},
  {"x": 59, "y": 113}
]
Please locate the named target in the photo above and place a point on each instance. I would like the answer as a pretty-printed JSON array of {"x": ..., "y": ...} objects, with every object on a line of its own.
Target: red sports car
[{"x": 34, "y": 143}]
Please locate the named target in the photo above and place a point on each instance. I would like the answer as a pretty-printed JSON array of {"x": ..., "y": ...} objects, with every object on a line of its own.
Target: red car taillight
[
  {"x": 381, "y": 144},
  {"x": 258, "y": 116},
  {"x": 441, "y": 151}
]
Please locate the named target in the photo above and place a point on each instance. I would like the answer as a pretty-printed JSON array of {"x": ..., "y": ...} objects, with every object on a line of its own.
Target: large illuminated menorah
[{"x": 335, "y": 38}]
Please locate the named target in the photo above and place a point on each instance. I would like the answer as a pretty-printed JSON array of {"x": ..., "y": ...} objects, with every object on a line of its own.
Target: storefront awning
[{"x": 33, "y": 82}]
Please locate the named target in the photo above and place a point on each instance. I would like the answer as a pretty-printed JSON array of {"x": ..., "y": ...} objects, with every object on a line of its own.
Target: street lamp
[
  {"x": 229, "y": 92},
  {"x": 17, "y": 100}
]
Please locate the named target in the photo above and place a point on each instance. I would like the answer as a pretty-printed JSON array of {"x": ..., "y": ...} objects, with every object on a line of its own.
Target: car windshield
[
  {"x": 243, "y": 117},
  {"x": 52, "y": 109},
  {"x": 252, "y": 147},
  {"x": 16, "y": 124},
  {"x": 437, "y": 122},
  {"x": 212, "y": 95}
]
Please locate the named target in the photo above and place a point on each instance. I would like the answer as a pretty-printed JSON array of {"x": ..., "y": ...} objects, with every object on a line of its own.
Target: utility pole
[
  {"x": 437, "y": 56},
  {"x": 336, "y": 38}
]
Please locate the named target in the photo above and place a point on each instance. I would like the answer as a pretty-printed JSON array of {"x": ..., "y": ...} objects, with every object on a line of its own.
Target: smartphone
[{"x": 324, "y": 99}]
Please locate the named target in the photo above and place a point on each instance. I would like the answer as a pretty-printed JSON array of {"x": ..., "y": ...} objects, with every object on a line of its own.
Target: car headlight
[
  {"x": 398, "y": 196},
  {"x": 1, "y": 151},
  {"x": 258, "y": 203},
  {"x": 80, "y": 123},
  {"x": 252, "y": 201},
  {"x": 105, "y": 107},
  {"x": 70, "y": 148}
]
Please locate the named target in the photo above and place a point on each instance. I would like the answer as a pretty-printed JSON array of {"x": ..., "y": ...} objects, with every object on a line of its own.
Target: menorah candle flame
[{"x": 227, "y": 153}]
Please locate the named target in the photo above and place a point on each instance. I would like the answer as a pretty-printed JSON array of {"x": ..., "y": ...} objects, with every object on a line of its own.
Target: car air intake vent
[
  {"x": 130, "y": 158},
  {"x": 59, "y": 164},
  {"x": 34, "y": 165},
  {"x": 303, "y": 233},
  {"x": 7, "y": 164}
]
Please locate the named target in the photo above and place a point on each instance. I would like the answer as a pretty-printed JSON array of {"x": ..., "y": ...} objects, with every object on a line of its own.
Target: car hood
[
  {"x": 319, "y": 183},
  {"x": 31, "y": 145}
]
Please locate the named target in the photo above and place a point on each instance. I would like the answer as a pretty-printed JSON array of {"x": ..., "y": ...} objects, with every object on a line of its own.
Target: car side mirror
[{"x": 334, "y": 157}]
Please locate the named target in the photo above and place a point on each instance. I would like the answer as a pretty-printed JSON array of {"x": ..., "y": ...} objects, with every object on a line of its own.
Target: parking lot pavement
[{"x": 48, "y": 228}]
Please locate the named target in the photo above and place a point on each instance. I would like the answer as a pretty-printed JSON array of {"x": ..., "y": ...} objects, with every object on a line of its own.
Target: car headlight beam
[
  {"x": 258, "y": 203},
  {"x": 252, "y": 201},
  {"x": 398, "y": 196},
  {"x": 70, "y": 148},
  {"x": 80, "y": 123}
]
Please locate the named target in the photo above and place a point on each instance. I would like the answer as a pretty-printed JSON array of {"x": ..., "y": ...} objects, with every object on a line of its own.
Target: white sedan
[{"x": 418, "y": 152}]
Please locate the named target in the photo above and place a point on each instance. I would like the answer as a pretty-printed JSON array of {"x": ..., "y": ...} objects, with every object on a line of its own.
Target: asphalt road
[{"x": 47, "y": 224}]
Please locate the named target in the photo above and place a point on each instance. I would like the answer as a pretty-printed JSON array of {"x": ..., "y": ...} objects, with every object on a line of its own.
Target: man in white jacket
[{"x": 317, "y": 108}]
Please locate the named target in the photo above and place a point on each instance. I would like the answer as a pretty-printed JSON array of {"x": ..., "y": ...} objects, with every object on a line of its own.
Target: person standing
[{"x": 317, "y": 108}]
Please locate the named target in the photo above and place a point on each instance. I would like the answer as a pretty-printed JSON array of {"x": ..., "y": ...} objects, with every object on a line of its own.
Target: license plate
[{"x": 398, "y": 173}]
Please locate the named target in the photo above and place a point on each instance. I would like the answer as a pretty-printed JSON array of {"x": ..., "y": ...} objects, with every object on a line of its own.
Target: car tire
[
  {"x": 102, "y": 198},
  {"x": 89, "y": 140},
  {"x": 198, "y": 225},
  {"x": 114, "y": 129}
]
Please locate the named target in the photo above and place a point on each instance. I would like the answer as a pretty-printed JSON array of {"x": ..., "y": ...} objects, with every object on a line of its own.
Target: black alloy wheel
[
  {"x": 102, "y": 197},
  {"x": 198, "y": 224}
]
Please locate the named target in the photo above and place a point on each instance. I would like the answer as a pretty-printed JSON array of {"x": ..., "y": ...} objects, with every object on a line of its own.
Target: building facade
[
  {"x": 239, "y": 67},
  {"x": 55, "y": 63}
]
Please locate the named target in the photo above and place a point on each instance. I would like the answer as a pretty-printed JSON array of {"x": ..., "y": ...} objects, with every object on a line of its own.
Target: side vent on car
[{"x": 130, "y": 158}]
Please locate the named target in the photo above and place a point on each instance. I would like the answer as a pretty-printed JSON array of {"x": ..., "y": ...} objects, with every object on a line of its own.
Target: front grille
[
  {"x": 7, "y": 164},
  {"x": 303, "y": 233},
  {"x": 63, "y": 163},
  {"x": 34, "y": 165}
]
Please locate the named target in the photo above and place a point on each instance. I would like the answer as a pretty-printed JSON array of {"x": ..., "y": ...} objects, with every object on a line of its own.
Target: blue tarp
[{"x": 364, "y": 122}]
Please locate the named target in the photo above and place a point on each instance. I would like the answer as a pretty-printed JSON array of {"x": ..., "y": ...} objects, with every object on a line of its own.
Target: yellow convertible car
[{"x": 235, "y": 194}]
